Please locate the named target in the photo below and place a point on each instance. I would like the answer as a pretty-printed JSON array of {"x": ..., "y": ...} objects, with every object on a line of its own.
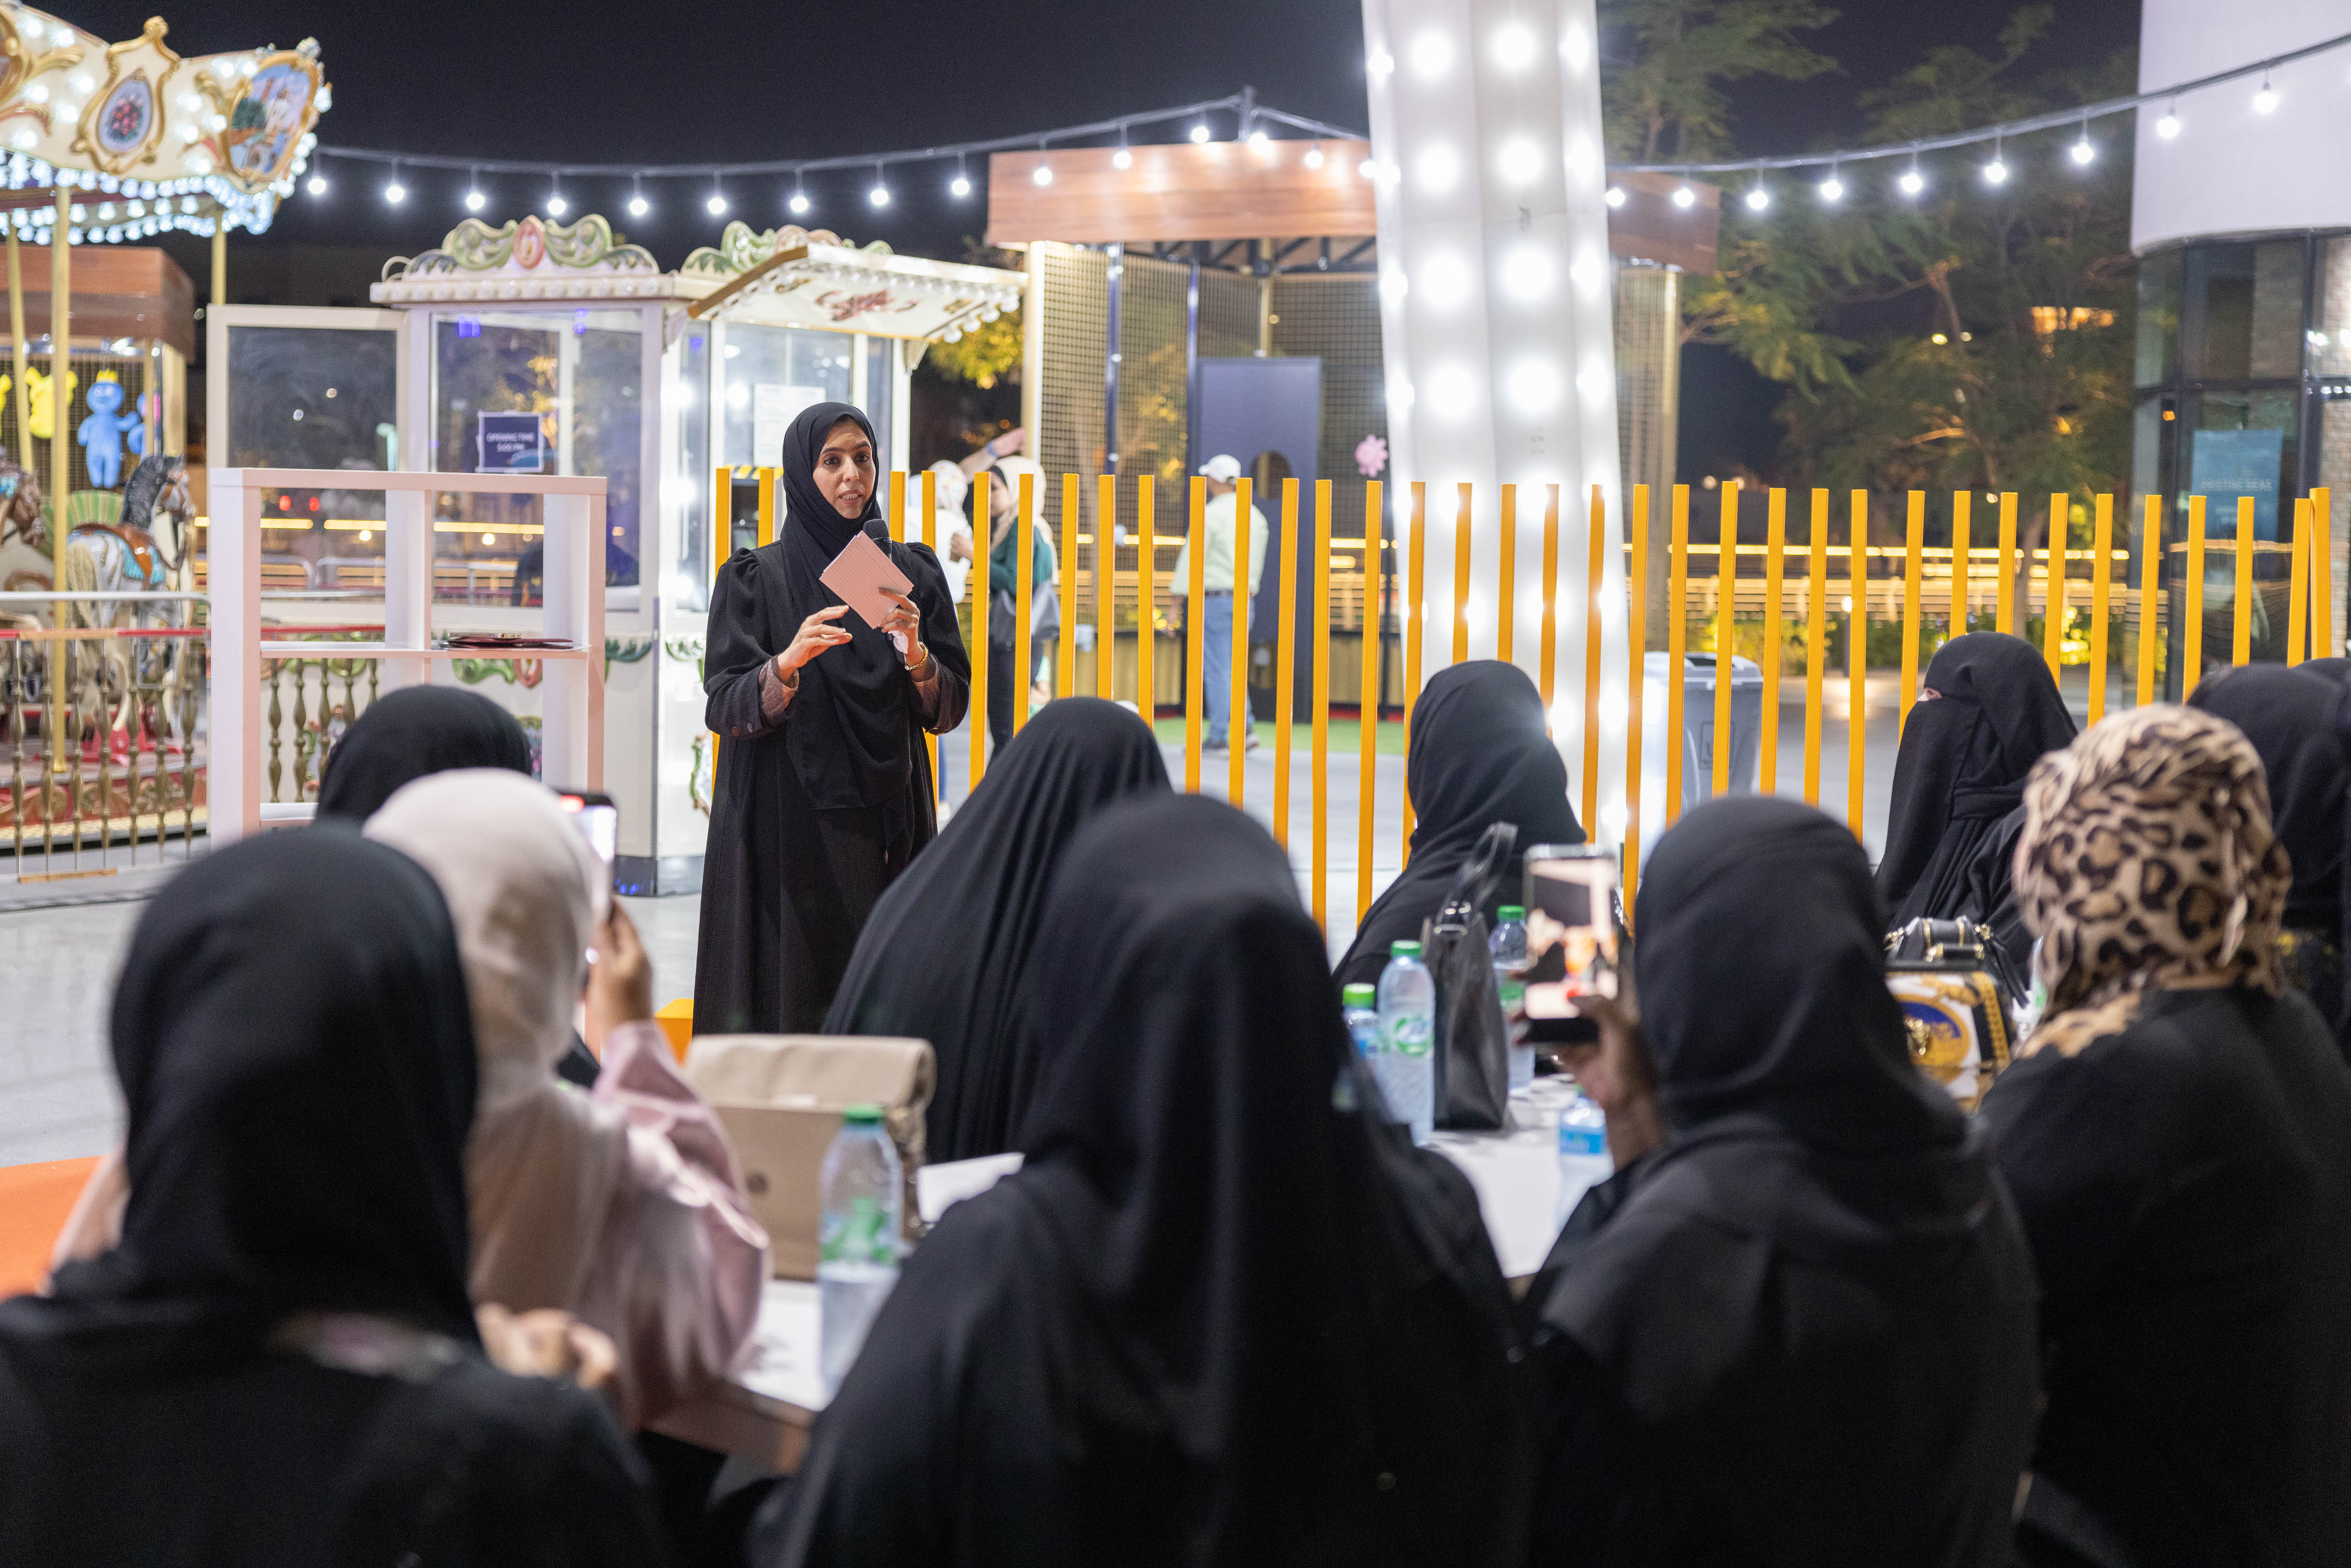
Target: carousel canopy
[{"x": 152, "y": 141}]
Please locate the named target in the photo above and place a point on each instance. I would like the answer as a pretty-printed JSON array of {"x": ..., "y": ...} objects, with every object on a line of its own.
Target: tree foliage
[{"x": 1662, "y": 93}]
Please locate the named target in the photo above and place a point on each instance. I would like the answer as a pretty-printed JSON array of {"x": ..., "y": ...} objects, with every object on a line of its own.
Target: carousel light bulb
[
  {"x": 798, "y": 203},
  {"x": 1122, "y": 159},
  {"x": 474, "y": 199},
  {"x": 639, "y": 206},
  {"x": 717, "y": 204},
  {"x": 879, "y": 195},
  {"x": 1043, "y": 175},
  {"x": 557, "y": 206},
  {"x": 395, "y": 192},
  {"x": 317, "y": 185}
]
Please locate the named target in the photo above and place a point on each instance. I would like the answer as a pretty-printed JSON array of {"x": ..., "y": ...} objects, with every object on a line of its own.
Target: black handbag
[
  {"x": 1002, "y": 611},
  {"x": 1473, "y": 1062}
]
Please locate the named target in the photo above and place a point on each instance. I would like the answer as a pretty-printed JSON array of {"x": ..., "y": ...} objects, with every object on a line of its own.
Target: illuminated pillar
[{"x": 1494, "y": 290}]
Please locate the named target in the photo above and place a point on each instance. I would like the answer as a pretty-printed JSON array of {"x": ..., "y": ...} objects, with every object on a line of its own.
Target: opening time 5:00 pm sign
[{"x": 509, "y": 443}]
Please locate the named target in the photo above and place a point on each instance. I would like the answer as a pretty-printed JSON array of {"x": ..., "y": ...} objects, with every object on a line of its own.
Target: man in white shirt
[{"x": 1220, "y": 522}]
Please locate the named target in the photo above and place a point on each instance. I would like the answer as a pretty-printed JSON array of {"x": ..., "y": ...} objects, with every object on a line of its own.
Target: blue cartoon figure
[{"x": 108, "y": 430}]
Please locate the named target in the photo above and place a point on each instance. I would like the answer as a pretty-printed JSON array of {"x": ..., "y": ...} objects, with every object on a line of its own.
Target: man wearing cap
[{"x": 1219, "y": 522}]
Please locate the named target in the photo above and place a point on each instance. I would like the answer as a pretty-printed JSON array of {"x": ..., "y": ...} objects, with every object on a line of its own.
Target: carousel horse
[
  {"x": 20, "y": 507},
  {"x": 145, "y": 550}
]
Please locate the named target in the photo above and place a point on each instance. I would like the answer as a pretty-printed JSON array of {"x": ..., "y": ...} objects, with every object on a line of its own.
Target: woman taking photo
[{"x": 824, "y": 787}]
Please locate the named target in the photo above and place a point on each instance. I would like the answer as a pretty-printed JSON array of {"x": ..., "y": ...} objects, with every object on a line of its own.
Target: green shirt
[
  {"x": 1003, "y": 561},
  {"x": 1219, "y": 522}
]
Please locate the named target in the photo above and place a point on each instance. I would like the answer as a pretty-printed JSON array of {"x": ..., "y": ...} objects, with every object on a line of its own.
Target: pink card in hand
[{"x": 859, "y": 574}]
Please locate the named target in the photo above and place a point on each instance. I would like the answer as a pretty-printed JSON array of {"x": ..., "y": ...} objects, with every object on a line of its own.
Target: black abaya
[
  {"x": 291, "y": 1036},
  {"x": 1222, "y": 1314},
  {"x": 2291, "y": 718},
  {"x": 815, "y": 813},
  {"x": 1959, "y": 782},
  {"x": 405, "y": 735},
  {"x": 1801, "y": 1331},
  {"x": 1478, "y": 756},
  {"x": 942, "y": 955}
]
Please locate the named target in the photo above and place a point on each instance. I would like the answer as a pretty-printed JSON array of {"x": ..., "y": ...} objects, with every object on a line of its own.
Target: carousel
[
  {"x": 540, "y": 347},
  {"x": 101, "y": 145}
]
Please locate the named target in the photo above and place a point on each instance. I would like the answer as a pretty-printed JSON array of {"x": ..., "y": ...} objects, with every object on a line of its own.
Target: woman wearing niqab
[
  {"x": 1224, "y": 1313},
  {"x": 1805, "y": 1333},
  {"x": 1479, "y": 756},
  {"x": 824, "y": 789},
  {"x": 1989, "y": 710},
  {"x": 972, "y": 904},
  {"x": 2177, "y": 1135},
  {"x": 278, "y": 1361},
  {"x": 2293, "y": 720}
]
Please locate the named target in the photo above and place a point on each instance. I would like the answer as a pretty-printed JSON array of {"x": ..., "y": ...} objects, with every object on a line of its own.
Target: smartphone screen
[
  {"x": 1570, "y": 926},
  {"x": 599, "y": 820}
]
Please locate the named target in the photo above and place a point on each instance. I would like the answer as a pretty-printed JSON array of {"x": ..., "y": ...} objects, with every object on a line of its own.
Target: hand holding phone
[{"x": 1571, "y": 899}]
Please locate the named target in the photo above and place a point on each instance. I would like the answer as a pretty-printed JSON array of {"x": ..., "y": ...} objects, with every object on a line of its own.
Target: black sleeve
[
  {"x": 2067, "y": 1137},
  {"x": 941, "y": 634},
  {"x": 736, "y": 649}
]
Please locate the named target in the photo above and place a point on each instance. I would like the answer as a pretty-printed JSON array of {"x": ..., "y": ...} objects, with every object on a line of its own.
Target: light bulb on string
[
  {"x": 1615, "y": 196},
  {"x": 1758, "y": 198},
  {"x": 2266, "y": 98},
  {"x": 1122, "y": 159},
  {"x": 716, "y": 204},
  {"x": 2083, "y": 150},
  {"x": 799, "y": 202},
  {"x": 1200, "y": 131},
  {"x": 2168, "y": 126},
  {"x": 1313, "y": 159},
  {"x": 1996, "y": 171},
  {"x": 1043, "y": 174},
  {"x": 318, "y": 186},
  {"x": 474, "y": 199},
  {"x": 960, "y": 186},
  {"x": 880, "y": 195},
  {"x": 1832, "y": 189},
  {"x": 1912, "y": 182},
  {"x": 556, "y": 205},
  {"x": 638, "y": 206},
  {"x": 1684, "y": 197},
  {"x": 395, "y": 192}
]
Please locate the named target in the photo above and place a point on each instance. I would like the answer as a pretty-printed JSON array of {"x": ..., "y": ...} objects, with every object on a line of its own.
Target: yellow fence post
[
  {"x": 2297, "y": 611},
  {"x": 1547, "y": 654},
  {"x": 1147, "y": 601},
  {"x": 1677, "y": 645},
  {"x": 896, "y": 511},
  {"x": 1506, "y": 593},
  {"x": 1196, "y": 641},
  {"x": 1913, "y": 587},
  {"x": 2005, "y": 619},
  {"x": 1105, "y": 587},
  {"x": 2149, "y": 600},
  {"x": 1817, "y": 638},
  {"x": 1636, "y": 666},
  {"x": 1726, "y": 601},
  {"x": 2192, "y": 664},
  {"x": 767, "y": 535},
  {"x": 1775, "y": 571},
  {"x": 930, "y": 530},
  {"x": 2240, "y": 643},
  {"x": 2321, "y": 571},
  {"x": 1065, "y": 661},
  {"x": 1322, "y": 773},
  {"x": 1368, "y": 701},
  {"x": 1238, "y": 725},
  {"x": 1461, "y": 578},
  {"x": 1285, "y": 662},
  {"x": 1024, "y": 568},
  {"x": 1595, "y": 543},
  {"x": 1962, "y": 502},
  {"x": 1415, "y": 612},
  {"x": 1856, "y": 664},
  {"x": 2052, "y": 583},
  {"x": 2102, "y": 538},
  {"x": 979, "y": 591}
]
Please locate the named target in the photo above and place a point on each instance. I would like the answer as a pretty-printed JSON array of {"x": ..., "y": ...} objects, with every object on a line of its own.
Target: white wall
[
  {"x": 1494, "y": 286},
  {"x": 2231, "y": 170}
]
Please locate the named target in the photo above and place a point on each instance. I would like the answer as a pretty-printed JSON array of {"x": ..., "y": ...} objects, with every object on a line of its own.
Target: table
[{"x": 765, "y": 1412}]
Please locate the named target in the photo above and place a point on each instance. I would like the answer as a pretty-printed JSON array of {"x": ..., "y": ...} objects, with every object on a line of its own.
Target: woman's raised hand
[
  {"x": 903, "y": 619},
  {"x": 817, "y": 633}
]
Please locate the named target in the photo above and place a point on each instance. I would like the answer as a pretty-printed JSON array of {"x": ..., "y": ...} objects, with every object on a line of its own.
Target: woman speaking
[{"x": 824, "y": 789}]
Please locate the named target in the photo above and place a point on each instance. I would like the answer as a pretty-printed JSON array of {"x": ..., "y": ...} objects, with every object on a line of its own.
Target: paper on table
[
  {"x": 938, "y": 1187},
  {"x": 859, "y": 574}
]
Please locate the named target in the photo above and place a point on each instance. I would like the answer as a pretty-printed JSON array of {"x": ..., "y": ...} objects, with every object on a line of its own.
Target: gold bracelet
[{"x": 926, "y": 647}]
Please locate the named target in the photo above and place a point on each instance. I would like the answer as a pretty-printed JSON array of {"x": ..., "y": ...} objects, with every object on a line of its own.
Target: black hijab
[
  {"x": 291, "y": 1035},
  {"x": 1479, "y": 756},
  {"x": 942, "y": 956},
  {"x": 858, "y": 752},
  {"x": 407, "y": 734},
  {"x": 2290, "y": 717},
  {"x": 1819, "y": 1241},
  {"x": 1227, "y": 1318},
  {"x": 1961, "y": 769}
]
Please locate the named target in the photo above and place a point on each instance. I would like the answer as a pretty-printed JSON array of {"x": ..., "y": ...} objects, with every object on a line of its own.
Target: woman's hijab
[
  {"x": 1479, "y": 756},
  {"x": 2148, "y": 863},
  {"x": 291, "y": 1039},
  {"x": 2291, "y": 718},
  {"x": 407, "y": 734},
  {"x": 527, "y": 895},
  {"x": 1960, "y": 771},
  {"x": 850, "y": 736},
  {"x": 941, "y": 957}
]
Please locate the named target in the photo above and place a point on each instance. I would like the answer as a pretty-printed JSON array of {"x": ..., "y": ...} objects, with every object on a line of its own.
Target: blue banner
[{"x": 2229, "y": 463}]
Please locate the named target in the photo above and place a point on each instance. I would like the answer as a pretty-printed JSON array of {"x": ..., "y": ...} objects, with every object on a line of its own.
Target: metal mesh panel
[
  {"x": 1229, "y": 315},
  {"x": 1069, "y": 437},
  {"x": 1648, "y": 404},
  {"x": 1336, "y": 318}
]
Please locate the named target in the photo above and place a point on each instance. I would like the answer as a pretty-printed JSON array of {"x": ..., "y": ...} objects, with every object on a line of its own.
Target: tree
[{"x": 1668, "y": 61}]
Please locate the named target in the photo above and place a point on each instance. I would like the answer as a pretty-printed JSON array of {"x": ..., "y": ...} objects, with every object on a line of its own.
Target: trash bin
[{"x": 1697, "y": 736}]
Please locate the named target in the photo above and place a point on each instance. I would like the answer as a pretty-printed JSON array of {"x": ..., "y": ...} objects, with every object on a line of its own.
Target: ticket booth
[{"x": 537, "y": 347}]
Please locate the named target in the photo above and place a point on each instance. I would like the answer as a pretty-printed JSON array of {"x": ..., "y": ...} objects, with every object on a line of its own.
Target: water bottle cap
[
  {"x": 1360, "y": 996},
  {"x": 1512, "y": 912},
  {"x": 1403, "y": 950},
  {"x": 862, "y": 1115}
]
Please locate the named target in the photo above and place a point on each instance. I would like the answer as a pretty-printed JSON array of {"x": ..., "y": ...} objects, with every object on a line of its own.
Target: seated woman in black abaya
[
  {"x": 824, "y": 786},
  {"x": 1987, "y": 710}
]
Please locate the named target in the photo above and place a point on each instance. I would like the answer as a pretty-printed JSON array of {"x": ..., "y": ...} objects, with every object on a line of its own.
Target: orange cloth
[
  {"x": 33, "y": 1202},
  {"x": 677, "y": 1022}
]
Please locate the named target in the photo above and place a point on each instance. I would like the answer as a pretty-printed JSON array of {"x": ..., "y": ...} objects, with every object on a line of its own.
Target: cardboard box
[{"x": 781, "y": 1098}]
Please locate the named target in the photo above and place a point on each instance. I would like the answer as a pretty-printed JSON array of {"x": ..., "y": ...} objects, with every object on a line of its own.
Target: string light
[
  {"x": 1313, "y": 159},
  {"x": 880, "y": 195},
  {"x": 799, "y": 202},
  {"x": 960, "y": 186},
  {"x": 556, "y": 205},
  {"x": 716, "y": 205},
  {"x": 1832, "y": 189},
  {"x": 2083, "y": 150},
  {"x": 1043, "y": 174},
  {"x": 1615, "y": 197},
  {"x": 1912, "y": 181},
  {"x": 2168, "y": 126},
  {"x": 317, "y": 184},
  {"x": 1996, "y": 171},
  {"x": 1200, "y": 131},
  {"x": 2266, "y": 100},
  {"x": 1758, "y": 198},
  {"x": 395, "y": 192},
  {"x": 1684, "y": 197},
  {"x": 474, "y": 197},
  {"x": 638, "y": 205}
]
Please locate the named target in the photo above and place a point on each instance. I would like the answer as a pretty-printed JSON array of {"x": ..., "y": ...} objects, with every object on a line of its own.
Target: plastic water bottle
[
  {"x": 1584, "y": 1160},
  {"x": 857, "y": 1238},
  {"x": 1407, "y": 1060},
  {"x": 1508, "y": 947},
  {"x": 1363, "y": 1021}
]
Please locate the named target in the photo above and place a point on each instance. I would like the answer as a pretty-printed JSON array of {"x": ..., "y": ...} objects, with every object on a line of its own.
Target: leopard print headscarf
[{"x": 2148, "y": 863}]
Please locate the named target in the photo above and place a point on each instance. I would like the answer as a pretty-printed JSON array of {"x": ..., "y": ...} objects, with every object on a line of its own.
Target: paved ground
[{"x": 58, "y": 961}]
